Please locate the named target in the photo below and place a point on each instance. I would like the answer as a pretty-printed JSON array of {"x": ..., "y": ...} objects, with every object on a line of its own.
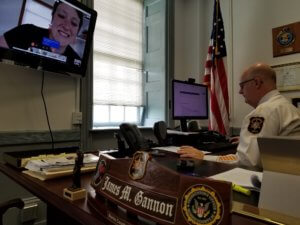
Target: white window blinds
[{"x": 118, "y": 53}]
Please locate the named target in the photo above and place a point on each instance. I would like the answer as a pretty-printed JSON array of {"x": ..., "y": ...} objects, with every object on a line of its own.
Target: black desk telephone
[
  {"x": 134, "y": 138},
  {"x": 136, "y": 141}
]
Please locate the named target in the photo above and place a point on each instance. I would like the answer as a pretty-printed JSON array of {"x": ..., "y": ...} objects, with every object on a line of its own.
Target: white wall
[
  {"x": 252, "y": 39},
  {"x": 248, "y": 33},
  {"x": 188, "y": 38},
  {"x": 21, "y": 105}
]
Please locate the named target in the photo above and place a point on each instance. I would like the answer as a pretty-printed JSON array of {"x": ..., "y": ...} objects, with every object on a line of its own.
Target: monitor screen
[
  {"x": 190, "y": 100},
  {"x": 53, "y": 35}
]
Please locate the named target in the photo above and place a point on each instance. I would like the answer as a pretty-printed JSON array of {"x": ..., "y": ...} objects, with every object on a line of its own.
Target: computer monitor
[{"x": 190, "y": 101}]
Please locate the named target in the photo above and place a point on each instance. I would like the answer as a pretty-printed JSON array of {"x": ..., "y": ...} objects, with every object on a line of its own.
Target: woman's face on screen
[{"x": 65, "y": 25}]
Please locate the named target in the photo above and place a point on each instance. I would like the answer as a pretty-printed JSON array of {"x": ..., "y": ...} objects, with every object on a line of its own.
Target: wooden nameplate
[{"x": 144, "y": 187}]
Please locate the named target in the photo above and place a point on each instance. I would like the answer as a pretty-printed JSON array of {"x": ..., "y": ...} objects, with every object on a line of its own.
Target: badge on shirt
[{"x": 256, "y": 124}]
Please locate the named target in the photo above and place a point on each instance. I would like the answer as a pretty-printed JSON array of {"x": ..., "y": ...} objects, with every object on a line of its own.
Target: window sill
[{"x": 98, "y": 129}]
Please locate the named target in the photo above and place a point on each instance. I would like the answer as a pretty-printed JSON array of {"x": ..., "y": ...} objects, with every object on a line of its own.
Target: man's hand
[{"x": 190, "y": 152}]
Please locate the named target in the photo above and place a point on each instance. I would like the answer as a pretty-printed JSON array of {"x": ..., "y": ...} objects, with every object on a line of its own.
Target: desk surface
[{"x": 51, "y": 192}]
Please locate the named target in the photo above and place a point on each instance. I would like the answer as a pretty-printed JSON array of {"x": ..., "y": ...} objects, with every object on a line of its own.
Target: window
[{"x": 118, "y": 62}]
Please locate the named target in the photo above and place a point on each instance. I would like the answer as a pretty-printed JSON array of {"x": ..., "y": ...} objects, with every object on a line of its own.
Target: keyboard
[{"x": 216, "y": 146}]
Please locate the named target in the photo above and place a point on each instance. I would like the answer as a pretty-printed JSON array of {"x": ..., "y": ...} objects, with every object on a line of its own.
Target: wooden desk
[
  {"x": 61, "y": 211},
  {"x": 51, "y": 192}
]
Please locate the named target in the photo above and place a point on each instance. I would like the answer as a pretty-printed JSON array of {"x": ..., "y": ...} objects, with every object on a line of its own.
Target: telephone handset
[{"x": 133, "y": 137}]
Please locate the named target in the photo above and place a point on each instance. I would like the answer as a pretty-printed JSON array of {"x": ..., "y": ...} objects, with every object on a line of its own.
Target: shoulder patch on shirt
[{"x": 256, "y": 124}]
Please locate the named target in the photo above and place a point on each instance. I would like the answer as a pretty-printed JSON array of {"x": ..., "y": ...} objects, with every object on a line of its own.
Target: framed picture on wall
[
  {"x": 286, "y": 39},
  {"x": 288, "y": 76}
]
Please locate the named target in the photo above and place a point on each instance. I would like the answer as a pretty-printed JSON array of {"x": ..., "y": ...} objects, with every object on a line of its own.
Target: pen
[{"x": 241, "y": 189}]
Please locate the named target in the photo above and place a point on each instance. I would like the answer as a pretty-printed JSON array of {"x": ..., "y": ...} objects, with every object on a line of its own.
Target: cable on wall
[{"x": 46, "y": 111}]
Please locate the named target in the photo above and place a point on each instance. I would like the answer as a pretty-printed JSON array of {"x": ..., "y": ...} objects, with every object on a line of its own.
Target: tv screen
[
  {"x": 190, "y": 100},
  {"x": 53, "y": 35}
]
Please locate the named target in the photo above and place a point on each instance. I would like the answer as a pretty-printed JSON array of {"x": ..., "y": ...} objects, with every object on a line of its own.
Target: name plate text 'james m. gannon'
[
  {"x": 159, "y": 206},
  {"x": 146, "y": 188}
]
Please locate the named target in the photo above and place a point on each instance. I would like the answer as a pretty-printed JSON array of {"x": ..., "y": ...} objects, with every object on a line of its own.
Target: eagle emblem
[
  {"x": 138, "y": 165},
  {"x": 202, "y": 205},
  {"x": 200, "y": 209}
]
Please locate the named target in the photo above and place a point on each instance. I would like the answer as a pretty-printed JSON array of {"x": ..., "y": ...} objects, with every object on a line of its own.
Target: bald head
[
  {"x": 256, "y": 81},
  {"x": 263, "y": 71}
]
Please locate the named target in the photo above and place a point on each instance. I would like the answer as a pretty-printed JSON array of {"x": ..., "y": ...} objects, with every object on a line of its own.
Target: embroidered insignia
[
  {"x": 202, "y": 205},
  {"x": 100, "y": 171},
  {"x": 138, "y": 165},
  {"x": 256, "y": 124}
]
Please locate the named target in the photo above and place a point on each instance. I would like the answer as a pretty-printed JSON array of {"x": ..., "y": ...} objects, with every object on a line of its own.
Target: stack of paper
[
  {"x": 239, "y": 176},
  {"x": 51, "y": 167}
]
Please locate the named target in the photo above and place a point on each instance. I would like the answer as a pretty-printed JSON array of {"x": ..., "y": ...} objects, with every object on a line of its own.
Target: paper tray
[
  {"x": 51, "y": 175},
  {"x": 17, "y": 158}
]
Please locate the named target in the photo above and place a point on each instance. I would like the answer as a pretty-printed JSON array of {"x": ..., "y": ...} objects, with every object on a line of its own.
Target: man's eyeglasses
[{"x": 242, "y": 84}]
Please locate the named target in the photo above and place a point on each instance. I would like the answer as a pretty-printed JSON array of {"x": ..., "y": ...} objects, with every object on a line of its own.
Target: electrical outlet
[{"x": 76, "y": 118}]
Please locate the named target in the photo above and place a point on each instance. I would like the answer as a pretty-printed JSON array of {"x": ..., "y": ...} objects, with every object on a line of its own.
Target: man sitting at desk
[{"x": 273, "y": 115}]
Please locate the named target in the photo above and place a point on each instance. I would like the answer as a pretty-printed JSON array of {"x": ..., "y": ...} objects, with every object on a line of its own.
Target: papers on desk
[
  {"x": 51, "y": 167},
  {"x": 173, "y": 149},
  {"x": 229, "y": 159},
  {"x": 55, "y": 163},
  {"x": 239, "y": 176}
]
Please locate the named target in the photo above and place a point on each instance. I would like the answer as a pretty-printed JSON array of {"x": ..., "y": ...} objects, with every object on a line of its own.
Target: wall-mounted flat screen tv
[{"x": 53, "y": 35}]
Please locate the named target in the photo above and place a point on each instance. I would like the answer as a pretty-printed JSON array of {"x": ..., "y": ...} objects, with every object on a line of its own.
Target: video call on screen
[{"x": 38, "y": 13}]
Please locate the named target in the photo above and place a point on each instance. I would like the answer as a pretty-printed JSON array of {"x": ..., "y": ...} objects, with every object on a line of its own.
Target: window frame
[
  {"x": 89, "y": 136},
  {"x": 139, "y": 108}
]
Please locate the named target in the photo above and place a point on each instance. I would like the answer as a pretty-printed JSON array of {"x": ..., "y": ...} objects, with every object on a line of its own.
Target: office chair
[
  {"x": 160, "y": 132},
  {"x": 17, "y": 202},
  {"x": 193, "y": 126}
]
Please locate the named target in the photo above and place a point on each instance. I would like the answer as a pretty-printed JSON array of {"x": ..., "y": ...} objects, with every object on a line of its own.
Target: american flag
[{"x": 215, "y": 75}]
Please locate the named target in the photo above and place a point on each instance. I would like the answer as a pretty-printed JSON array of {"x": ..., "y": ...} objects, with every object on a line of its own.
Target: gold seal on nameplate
[{"x": 201, "y": 205}]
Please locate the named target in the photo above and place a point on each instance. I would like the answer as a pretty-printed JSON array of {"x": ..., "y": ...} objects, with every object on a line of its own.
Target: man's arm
[{"x": 190, "y": 152}]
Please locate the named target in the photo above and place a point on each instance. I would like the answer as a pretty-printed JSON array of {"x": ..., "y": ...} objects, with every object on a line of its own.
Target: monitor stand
[{"x": 183, "y": 125}]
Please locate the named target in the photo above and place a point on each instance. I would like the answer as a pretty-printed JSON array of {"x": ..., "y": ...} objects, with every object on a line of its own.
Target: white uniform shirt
[{"x": 274, "y": 116}]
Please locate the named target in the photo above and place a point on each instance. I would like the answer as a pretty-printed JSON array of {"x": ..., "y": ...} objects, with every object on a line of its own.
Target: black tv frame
[{"x": 12, "y": 56}]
